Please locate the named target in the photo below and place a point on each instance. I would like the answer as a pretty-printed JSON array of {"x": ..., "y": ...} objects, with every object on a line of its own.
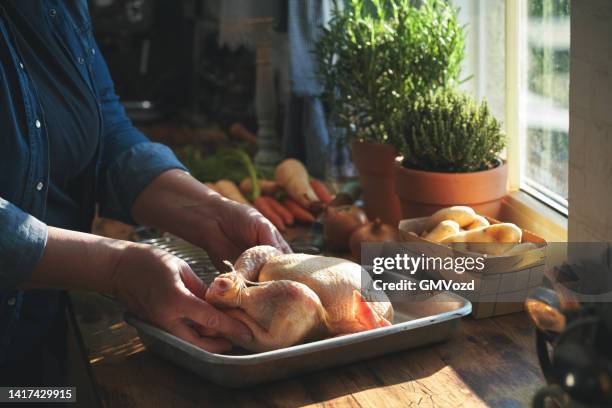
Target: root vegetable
[
  {"x": 462, "y": 215},
  {"x": 228, "y": 189},
  {"x": 321, "y": 191},
  {"x": 298, "y": 212},
  {"x": 266, "y": 186},
  {"x": 374, "y": 231},
  {"x": 338, "y": 225},
  {"x": 443, "y": 230},
  {"x": 278, "y": 208},
  {"x": 479, "y": 221},
  {"x": 264, "y": 208},
  {"x": 291, "y": 175},
  {"x": 494, "y": 239}
]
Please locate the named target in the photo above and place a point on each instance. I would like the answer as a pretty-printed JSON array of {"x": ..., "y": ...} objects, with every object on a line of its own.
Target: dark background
[{"x": 166, "y": 52}]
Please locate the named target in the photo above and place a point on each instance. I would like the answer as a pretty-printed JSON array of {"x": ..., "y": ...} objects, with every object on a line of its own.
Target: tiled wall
[{"x": 590, "y": 159}]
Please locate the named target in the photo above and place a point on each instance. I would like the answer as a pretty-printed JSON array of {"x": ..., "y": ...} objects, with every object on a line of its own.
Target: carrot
[
  {"x": 321, "y": 191},
  {"x": 293, "y": 177},
  {"x": 264, "y": 208},
  {"x": 278, "y": 208},
  {"x": 298, "y": 212},
  {"x": 229, "y": 189}
]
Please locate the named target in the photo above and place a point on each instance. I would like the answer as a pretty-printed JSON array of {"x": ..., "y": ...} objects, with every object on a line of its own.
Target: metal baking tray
[{"x": 425, "y": 320}]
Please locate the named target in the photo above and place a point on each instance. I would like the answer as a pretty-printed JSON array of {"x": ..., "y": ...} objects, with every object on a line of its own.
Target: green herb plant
[
  {"x": 447, "y": 131},
  {"x": 228, "y": 163},
  {"x": 378, "y": 55}
]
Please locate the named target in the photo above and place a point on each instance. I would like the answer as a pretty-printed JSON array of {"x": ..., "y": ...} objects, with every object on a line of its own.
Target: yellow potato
[
  {"x": 444, "y": 229},
  {"x": 492, "y": 239},
  {"x": 479, "y": 221},
  {"x": 462, "y": 215}
]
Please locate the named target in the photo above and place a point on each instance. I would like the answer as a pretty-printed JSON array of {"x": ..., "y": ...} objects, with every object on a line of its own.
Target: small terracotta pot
[
  {"x": 375, "y": 163},
  {"x": 422, "y": 193}
]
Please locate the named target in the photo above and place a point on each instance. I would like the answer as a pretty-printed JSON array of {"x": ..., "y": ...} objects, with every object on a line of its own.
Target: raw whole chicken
[{"x": 286, "y": 299}]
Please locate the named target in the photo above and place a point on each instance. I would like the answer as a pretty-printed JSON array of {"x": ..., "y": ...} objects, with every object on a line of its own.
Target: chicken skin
[{"x": 286, "y": 299}]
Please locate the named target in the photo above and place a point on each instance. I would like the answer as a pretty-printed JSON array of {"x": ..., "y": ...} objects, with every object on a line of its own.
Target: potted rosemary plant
[
  {"x": 451, "y": 156},
  {"x": 374, "y": 58}
]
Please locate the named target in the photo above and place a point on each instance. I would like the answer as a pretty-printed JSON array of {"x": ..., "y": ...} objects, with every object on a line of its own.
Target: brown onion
[
  {"x": 338, "y": 225},
  {"x": 374, "y": 231}
]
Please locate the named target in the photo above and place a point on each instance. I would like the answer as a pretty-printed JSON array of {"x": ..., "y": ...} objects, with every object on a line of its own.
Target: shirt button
[
  {"x": 39, "y": 186},
  {"x": 11, "y": 301},
  {"x": 93, "y": 51},
  {"x": 53, "y": 12},
  {"x": 21, "y": 65},
  {"x": 37, "y": 124},
  {"x": 80, "y": 60}
]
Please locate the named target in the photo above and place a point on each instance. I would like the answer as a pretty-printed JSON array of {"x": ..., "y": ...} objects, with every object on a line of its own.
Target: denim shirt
[{"x": 125, "y": 161}]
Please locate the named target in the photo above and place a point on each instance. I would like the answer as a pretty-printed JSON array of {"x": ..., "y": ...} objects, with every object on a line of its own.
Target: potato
[
  {"x": 444, "y": 229},
  {"x": 492, "y": 239},
  {"x": 479, "y": 221},
  {"x": 462, "y": 215}
]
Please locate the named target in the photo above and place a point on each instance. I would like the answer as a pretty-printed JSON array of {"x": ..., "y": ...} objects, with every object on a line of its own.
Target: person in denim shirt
[{"x": 66, "y": 145}]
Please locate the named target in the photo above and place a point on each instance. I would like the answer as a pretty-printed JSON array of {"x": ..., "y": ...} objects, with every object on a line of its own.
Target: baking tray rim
[{"x": 300, "y": 349}]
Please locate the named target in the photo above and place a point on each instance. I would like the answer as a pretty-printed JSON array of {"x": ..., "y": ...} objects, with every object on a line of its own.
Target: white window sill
[{"x": 522, "y": 209}]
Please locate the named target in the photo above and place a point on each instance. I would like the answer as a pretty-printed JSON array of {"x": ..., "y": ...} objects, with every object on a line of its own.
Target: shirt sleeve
[
  {"x": 130, "y": 161},
  {"x": 22, "y": 243}
]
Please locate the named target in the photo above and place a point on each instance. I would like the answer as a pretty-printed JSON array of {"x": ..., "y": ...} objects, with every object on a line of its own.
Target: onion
[
  {"x": 374, "y": 231},
  {"x": 338, "y": 225}
]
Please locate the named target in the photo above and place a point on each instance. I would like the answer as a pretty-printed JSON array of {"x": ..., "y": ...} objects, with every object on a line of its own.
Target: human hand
[
  {"x": 163, "y": 290},
  {"x": 228, "y": 228},
  {"x": 178, "y": 203}
]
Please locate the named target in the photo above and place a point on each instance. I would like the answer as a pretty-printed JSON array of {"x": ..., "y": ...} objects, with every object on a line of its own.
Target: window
[
  {"x": 517, "y": 58},
  {"x": 546, "y": 91}
]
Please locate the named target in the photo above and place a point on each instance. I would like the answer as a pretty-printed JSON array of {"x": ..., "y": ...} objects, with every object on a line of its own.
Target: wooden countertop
[{"x": 489, "y": 362}]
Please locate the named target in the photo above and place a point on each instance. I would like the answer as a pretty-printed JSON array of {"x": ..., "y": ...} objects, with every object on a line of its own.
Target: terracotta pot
[
  {"x": 375, "y": 163},
  {"x": 422, "y": 193}
]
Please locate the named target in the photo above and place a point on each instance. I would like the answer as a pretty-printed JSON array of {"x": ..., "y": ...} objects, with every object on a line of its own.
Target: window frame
[{"x": 515, "y": 97}]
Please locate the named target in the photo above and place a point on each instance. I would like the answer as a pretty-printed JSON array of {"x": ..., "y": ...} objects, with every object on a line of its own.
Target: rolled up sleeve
[
  {"x": 130, "y": 161},
  {"x": 130, "y": 173},
  {"x": 22, "y": 243}
]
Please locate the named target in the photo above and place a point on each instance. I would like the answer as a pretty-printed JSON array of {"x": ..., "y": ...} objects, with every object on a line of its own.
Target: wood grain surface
[{"x": 489, "y": 362}]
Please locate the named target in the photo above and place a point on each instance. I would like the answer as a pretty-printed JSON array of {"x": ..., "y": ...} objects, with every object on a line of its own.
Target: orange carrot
[
  {"x": 321, "y": 191},
  {"x": 278, "y": 208},
  {"x": 264, "y": 208},
  {"x": 298, "y": 211}
]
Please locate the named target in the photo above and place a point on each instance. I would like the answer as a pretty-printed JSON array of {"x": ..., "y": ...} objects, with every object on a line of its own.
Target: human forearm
[
  {"x": 178, "y": 203},
  {"x": 74, "y": 260}
]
